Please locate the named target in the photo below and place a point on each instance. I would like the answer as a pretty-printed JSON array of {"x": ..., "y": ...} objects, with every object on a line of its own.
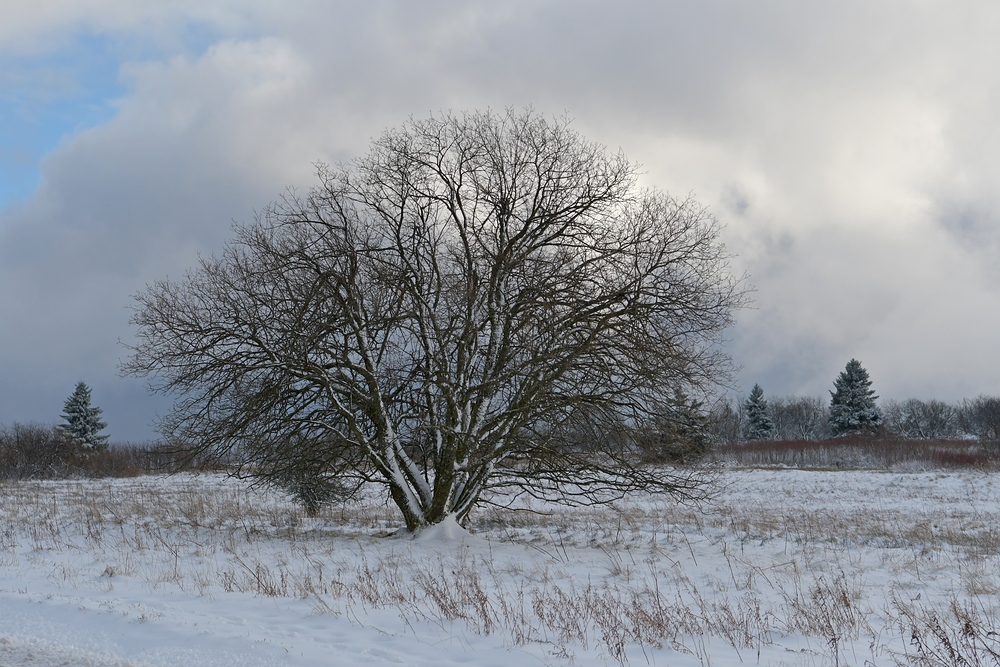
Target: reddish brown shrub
[{"x": 879, "y": 453}]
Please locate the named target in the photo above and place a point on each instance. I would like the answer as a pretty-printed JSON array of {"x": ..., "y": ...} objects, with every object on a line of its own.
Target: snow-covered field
[{"x": 783, "y": 567}]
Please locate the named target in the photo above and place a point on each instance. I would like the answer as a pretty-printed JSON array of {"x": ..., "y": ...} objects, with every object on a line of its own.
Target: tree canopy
[{"x": 483, "y": 301}]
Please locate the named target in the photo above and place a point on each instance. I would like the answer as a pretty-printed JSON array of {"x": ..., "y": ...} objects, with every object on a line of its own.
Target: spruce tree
[
  {"x": 682, "y": 433},
  {"x": 82, "y": 421},
  {"x": 758, "y": 425},
  {"x": 852, "y": 405}
]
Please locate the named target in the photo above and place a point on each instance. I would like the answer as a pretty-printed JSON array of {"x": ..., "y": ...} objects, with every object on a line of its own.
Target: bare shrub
[
  {"x": 112, "y": 461},
  {"x": 34, "y": 451},
  {"x": 970, "y": 457},
  {"x": 173, "y": 457},
  {"x": 314, "y": 491},
  {"x": 859, "y": 453}
]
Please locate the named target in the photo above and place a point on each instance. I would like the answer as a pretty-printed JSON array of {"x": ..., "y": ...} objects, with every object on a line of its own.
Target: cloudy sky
[{"x": 852, "y": 149}]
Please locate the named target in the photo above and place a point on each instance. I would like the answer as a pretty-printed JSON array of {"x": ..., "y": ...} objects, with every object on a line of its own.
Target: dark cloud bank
[{"x": 850, "y": 150}]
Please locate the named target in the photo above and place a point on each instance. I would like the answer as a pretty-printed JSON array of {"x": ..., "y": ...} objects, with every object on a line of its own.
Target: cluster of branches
[{"x": 444, "y": 316}]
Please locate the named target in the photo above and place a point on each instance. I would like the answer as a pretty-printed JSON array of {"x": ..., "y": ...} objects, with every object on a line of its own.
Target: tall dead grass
[
  {"x": 960, "y": 635},
  {"x": 861, "y": 454}
]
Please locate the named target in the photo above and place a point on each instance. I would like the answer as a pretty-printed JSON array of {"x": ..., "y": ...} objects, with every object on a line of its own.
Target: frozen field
[{"x": 782, "y": 567}]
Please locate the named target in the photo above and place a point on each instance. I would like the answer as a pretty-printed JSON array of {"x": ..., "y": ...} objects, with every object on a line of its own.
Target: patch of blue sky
[
  {"x": 44, "y": 99},
  {"x": 48, "y": 98}
]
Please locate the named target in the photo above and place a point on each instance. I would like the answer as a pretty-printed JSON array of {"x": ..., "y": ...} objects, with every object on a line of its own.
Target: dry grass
[
  {"x": 746, "y": 574},
  {"x": 960, "y": 635}
]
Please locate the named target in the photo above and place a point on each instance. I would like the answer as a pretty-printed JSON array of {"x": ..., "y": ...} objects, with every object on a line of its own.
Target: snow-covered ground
[{"x": 782, "y": 567}]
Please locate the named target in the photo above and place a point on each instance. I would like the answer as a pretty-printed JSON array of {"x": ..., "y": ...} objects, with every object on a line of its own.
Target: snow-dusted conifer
[
  {"x": 852, "y": 405},
  {"x": 83, "y": 422},
  {"x": 758, "y": 424}
]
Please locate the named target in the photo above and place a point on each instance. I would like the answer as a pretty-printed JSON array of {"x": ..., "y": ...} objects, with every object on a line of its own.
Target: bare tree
[
  {"x": 725, "y": 421},
  {"x": 980, "y": 417},
  {"x": 799, "y": 418},
  {"x": 436, "y": 316},
  {"x": 914, "y": 418}
]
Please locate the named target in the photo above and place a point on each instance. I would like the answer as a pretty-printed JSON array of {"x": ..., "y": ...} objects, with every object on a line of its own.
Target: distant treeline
[
  {"x": 808, "y": 419},
  {"x": 966, "y": 433},
  {"x": 35, "y": 451}
]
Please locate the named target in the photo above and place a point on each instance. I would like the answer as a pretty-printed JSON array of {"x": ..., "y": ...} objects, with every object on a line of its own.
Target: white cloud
[{"x": 851, "y": 149}]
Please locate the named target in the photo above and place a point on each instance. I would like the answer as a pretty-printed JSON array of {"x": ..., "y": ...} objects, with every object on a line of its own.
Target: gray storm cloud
[{"x": 850, "y": 149}]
